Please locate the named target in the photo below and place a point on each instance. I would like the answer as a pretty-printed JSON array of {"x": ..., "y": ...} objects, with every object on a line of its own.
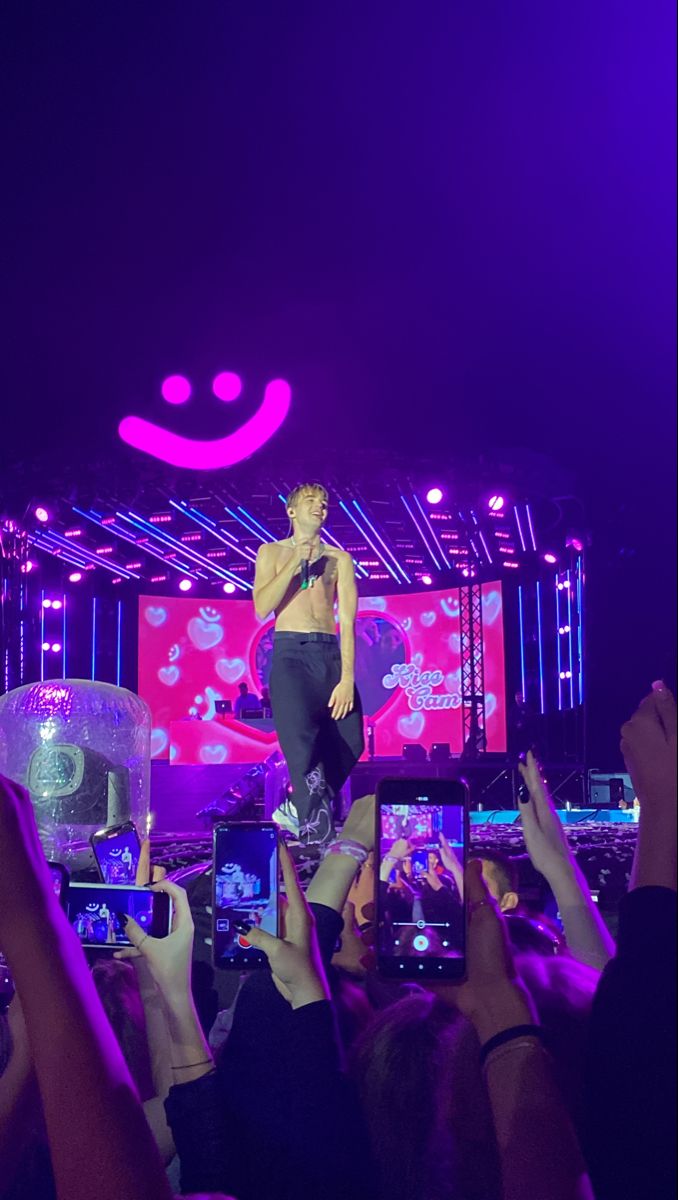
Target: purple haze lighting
[
  {"x": 496, "y": 503},
  {"x": 185, "y": 585},
  {"x": 550, "y": 558},
  {"x": 227, "y": 386},
  {"x": 434, "y": 495},
  {"x": 175, "y": 389},
  {"x": 41, "y": 514},
  {"x": 75, "y": 577},
  {"x": 426, "y": 579},
  {"x": 229, "y": 588}
]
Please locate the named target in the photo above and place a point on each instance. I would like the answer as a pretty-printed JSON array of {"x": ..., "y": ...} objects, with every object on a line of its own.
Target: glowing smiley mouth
[{"x": 187, "y": 452}]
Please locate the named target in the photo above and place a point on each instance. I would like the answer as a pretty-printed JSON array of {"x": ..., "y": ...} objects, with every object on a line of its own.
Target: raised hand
[
  {"x": 25, "y": 882},
  {"x": 143, "y": 875},
  {"x": 168, "y": 959},
  {"x": 359, "y": 824},
  {"x": 294, "y": 957},
  {"x": 648, "y": 743},
  {"x": 545, "y": 838}
]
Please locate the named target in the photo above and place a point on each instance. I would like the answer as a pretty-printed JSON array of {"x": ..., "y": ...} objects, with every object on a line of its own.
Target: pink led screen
[{"x": 193, "y": 653}]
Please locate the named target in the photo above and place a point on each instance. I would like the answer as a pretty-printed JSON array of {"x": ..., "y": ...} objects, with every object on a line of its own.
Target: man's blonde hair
[{"x": 298, "y": 492}]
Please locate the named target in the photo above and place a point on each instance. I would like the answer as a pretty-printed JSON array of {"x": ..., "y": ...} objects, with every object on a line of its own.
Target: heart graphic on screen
[
  {"x": 168, "y": 675},
  {"x": 428, "y": 619},
  {"x": 230, "y": 669},
  {"x": 203, "y": 635},
  {"x": 412, "y": 726},
  {"x": 491, "y": 607},
  {"x": 490, "y": 705},
  {"x": 158, "y": 742},
  {"x": 155, "y": 615},
  {"x": 213, "y": 754}
]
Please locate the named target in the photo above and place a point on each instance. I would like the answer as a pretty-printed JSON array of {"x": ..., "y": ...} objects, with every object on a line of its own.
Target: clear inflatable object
[{"x": 82, "y": 749}]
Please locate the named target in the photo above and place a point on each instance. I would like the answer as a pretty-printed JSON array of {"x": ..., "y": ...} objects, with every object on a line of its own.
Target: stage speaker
[
  {"x": 413, "y": 752},
  {"x": 440, "y": 752}
]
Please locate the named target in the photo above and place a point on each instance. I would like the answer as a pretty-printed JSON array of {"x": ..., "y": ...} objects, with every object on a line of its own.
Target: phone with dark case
[
  {"x": 94, "y": 912},
  {"x": 421, "y": 929},
  {"x": 117, "y": 851},
  {"x": 244, "y": 891}
]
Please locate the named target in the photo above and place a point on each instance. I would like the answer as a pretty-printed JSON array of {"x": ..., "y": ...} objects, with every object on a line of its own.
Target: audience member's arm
[
  {"x": 78, "y": 1064},
  {"x": 649, "y": 749},
  {"x": 587, "y": 936},
  {"x": 540, "y": 1155},
  {"x": 632, "y": 1040},
  {"x": 332, "y": 881},
  {"x": 169, "y": 963}
]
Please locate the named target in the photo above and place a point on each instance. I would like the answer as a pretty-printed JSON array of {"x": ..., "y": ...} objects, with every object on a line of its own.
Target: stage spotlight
[
  {"x": 27, "y": 567},
  {"x": 496, "y": 503},
  {"x": 575, "y": 542},
  {"x": 47, "y": 604},
  {"x": 45, "y": 645},
  {"x": 175, "y": 389},
  {"x": 56, "y": 647},
  {"x": 75, "y": 577},
  {"x": 550, "y": 558},
  {"x": 185, "y": 585},
  {"x": 229, "y": 588},
  {"x": 57, "y": 604},
  {"x": 434, "y": 495},
  {"x": 41, "y": 514},
  {"x": 426, "y": 580}
]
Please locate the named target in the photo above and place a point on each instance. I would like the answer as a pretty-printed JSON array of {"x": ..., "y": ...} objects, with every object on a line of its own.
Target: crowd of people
[{"x": 548, "y": 1074}]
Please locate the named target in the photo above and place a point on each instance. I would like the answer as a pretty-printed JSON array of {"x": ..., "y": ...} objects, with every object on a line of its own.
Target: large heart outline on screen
[{"x": 380, "y": 642}]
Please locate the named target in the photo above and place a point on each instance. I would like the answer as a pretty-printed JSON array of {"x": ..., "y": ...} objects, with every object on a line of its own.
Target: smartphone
[
  {"x": 422, "y": 937},
  {"x": 117, "y": 851},
  {"x": 244, "y": 889},
  {"x": 59, "y": 882},
  {"x": 93, "y": 910}
]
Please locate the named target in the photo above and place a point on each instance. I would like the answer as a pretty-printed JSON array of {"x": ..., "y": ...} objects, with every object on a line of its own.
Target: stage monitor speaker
[
  {"x": 440, "y": 752},
  {"x": 413, "y": 752}
]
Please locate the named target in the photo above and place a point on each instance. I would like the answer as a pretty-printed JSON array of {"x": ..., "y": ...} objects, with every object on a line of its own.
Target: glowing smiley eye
[
  {"x": 176, "y": 389},
  {"x": 227, "y": 386}
]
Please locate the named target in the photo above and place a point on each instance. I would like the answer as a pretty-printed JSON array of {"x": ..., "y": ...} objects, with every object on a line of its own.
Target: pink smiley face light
[{"x": 215, "y": 453}]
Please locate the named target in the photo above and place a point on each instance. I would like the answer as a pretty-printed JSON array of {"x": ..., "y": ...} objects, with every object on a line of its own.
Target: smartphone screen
[
  {"x": 93, "y": 912},
  {"x": 245, "y": 888},
  {"x": 422, "y": 840},
  {"x": 117, "y": 853},
  {"x": 59, "y": 876}
]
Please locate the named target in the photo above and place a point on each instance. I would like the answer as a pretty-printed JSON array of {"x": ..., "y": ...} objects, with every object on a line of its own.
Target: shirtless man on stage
[{"x": 316, "y": 707}]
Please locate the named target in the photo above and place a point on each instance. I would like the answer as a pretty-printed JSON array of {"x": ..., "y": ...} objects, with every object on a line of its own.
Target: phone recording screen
[
  {"x": 245, "y": 890},
  {"x": 118, "y": 856},
  {"x": 422, "y": 851},
  {"x": 93, "y": 912}
]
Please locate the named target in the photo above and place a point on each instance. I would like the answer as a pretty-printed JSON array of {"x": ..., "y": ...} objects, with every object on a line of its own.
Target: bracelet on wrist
[
  {"x": 350, "y": 848},
  {"x": 513, "y": 1034}
]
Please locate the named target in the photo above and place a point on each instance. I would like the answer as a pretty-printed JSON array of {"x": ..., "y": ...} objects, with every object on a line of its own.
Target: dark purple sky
[{"x": 438, "y": 221}]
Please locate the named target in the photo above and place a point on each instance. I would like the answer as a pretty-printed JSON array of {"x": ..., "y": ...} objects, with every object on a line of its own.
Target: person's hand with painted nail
[
  {"x": 146, "y": 873},
  {"x": 168, "y": 959},
  {"x": 294, "y": 956}
]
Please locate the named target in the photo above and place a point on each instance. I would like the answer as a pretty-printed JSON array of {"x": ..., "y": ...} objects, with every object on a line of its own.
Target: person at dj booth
[
  {"x": 245, "y": 701},
  {"x": 265, "y": 701}
]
